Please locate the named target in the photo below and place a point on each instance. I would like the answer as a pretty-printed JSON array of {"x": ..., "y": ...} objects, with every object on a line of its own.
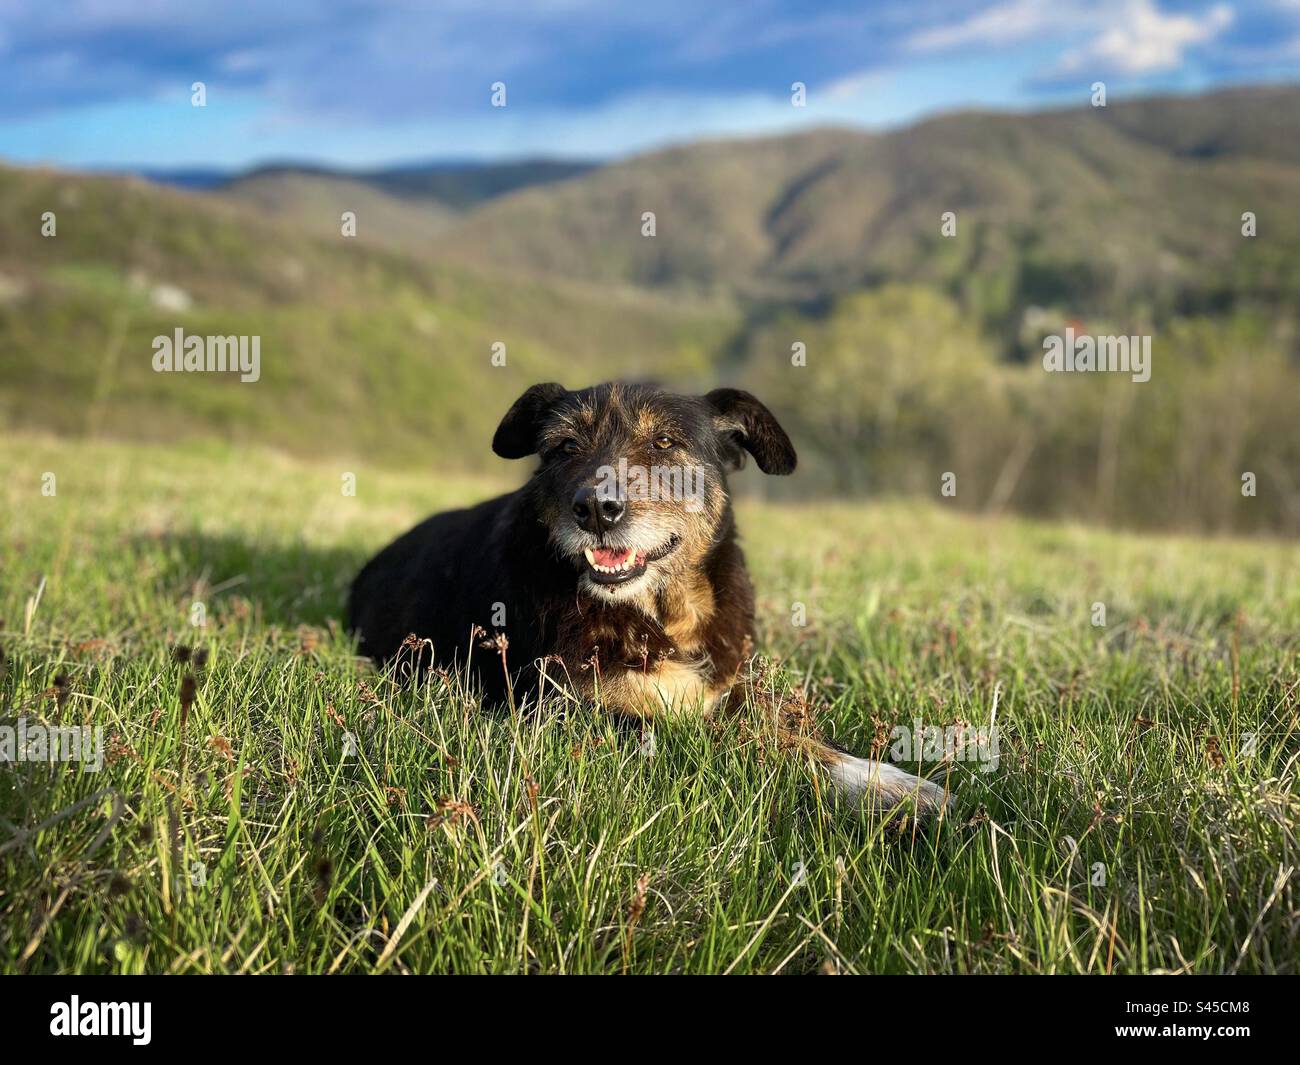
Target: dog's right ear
[
  {"x": 516, "y": 436},
  {"x": 747, "y": 424}
]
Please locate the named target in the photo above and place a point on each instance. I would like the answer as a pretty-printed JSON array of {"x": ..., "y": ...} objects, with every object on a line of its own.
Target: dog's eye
[
  {"x": 569, "y": 447},
  {"x": 663, "y": 443}
]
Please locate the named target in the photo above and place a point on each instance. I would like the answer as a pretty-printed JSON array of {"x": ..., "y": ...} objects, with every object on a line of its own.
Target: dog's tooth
[{"x": 591, "y": 555}]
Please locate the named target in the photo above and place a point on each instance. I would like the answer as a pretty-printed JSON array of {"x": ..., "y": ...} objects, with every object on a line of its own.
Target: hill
[
  {"x": 363, "y": 349},
  {"x": 316, "y": 202},
  {"x": 405, "y": 207},
  {"x": 460, "y": 186},
  {"x": 1137, "y": 203}
]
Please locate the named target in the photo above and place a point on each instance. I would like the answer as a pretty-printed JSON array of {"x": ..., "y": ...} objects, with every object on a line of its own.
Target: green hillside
[
  {"x": 1098, "y": 208},
  {"x": 406, "y": 207},
  {"x": 316, "y": 203},
  {"x": 363, "y": 349},
  {"x": 460, "y": 187}
]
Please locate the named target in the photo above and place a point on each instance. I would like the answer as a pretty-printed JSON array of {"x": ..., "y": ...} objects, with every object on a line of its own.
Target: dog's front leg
[{"x": 667, "y": 689}]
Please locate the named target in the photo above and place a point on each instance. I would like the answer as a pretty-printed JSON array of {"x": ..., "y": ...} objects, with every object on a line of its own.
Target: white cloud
[
  {"x": 1131, "y": 37},
  {"x": 1016, "y": 20},
  {"x": 854, "y": 86},
  {"x": 1144, "y": 40}
]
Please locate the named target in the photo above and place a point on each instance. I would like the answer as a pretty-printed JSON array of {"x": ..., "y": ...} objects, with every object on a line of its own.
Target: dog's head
[{"x": 632, "y": 483}]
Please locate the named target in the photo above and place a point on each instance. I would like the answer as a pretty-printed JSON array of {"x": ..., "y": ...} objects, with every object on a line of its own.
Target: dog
[{"x": 614, "y": 571}]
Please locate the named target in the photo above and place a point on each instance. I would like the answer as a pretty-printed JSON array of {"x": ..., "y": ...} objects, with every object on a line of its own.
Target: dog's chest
[
  {"x": 646, "y": 662},
  {"x": 686, "y": 687}
]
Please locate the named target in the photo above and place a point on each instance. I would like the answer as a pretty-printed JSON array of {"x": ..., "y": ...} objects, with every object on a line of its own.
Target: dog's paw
[{"x": 881, "y": 787}]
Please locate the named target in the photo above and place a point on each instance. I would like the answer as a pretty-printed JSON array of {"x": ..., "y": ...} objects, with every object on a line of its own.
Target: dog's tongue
[{"x": 607, "y": 556}]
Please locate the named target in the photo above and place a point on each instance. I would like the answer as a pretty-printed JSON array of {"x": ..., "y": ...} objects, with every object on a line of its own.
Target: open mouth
[{"x": 618, "y": 565}]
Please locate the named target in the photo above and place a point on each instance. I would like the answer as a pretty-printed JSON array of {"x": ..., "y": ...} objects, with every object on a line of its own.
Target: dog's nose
[{"x": 594, "y": 513}]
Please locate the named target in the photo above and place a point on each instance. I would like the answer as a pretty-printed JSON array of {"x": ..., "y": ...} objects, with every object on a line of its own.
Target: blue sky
[{"x": 362, "y": 82}]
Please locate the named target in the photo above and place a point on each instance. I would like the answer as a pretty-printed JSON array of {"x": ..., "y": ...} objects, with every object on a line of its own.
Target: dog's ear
[
  {"x": 516, "y": 436},
  {"x": 746, "y": 423}
]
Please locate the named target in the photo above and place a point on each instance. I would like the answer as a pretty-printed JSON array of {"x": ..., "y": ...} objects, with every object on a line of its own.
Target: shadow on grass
[{"x": 285, "y": 583}]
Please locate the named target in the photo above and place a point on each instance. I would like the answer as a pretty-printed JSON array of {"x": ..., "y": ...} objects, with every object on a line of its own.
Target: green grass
[{"x": 1164, "y": 745}]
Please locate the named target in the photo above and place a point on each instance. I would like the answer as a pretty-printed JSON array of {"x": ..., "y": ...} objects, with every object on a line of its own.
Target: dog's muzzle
[{"x": 618, "y": 565}]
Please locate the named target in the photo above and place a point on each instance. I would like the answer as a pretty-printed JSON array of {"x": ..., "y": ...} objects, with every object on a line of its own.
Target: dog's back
[{"x": 440, "y": 579}]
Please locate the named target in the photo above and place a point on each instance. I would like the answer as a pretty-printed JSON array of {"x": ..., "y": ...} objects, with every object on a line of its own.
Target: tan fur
[
  {"x": 648, "y": 422},
  {"x": 687, "y": 608},
  {"x": 662, "y": 690}
]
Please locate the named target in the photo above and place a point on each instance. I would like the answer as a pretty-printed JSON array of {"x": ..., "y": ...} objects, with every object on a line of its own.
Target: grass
[{"x": 304, "y": 813}]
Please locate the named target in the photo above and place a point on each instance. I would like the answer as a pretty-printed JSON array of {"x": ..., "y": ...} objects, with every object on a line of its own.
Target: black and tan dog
[{"x": 615, "y": 568}]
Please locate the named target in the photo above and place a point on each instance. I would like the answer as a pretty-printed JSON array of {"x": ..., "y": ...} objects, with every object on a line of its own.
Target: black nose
[{"x": 595, "y": 514}]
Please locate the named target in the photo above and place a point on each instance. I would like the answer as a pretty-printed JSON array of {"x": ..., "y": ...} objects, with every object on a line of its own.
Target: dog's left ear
[
  {"x": 752, "y": 426},
  {"x": 516, "y": 436}
]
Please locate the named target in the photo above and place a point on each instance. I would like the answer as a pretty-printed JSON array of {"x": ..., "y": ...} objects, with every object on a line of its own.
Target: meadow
[{"x": 269, "y": 802}]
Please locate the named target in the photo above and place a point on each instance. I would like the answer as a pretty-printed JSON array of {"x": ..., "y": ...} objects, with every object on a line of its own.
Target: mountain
[
  {"x": 1257, "y": 122},
  {"x": 1139, "y": 202},
  {"x": 195, "y": 178},
  {"x": 317, "y": 200},
  {"x": 460, "y": 186},
  {"x": 1135, "y": 204},
  {"x": 406, "y": 207}
]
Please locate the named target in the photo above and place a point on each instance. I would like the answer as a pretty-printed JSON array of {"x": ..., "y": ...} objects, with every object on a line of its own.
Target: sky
[{"x": 364, "y": 83}]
